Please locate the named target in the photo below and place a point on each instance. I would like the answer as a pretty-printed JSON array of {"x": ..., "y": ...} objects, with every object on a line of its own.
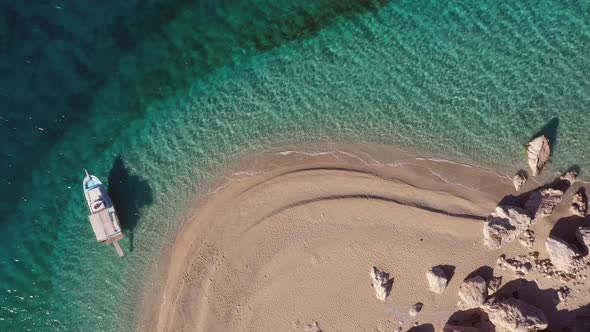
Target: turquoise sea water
[{"x": 155, "y": 96}]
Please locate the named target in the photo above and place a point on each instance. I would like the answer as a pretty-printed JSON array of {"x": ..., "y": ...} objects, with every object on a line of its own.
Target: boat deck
[{"x": 103, "y": 226}]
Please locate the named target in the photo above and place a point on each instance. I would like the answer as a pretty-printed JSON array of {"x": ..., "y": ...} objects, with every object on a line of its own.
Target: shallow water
[{"x": 156, "y": 96}]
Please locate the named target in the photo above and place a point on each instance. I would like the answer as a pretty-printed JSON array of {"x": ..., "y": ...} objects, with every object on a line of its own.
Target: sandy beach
[{"x": 288, "y": 240}]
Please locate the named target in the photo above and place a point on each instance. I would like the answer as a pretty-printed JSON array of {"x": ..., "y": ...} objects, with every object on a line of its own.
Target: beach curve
[{"x": 291, "y": 245}]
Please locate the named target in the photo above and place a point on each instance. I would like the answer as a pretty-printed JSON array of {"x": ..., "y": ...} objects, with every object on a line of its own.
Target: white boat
[{"x": 103, "y": 217}]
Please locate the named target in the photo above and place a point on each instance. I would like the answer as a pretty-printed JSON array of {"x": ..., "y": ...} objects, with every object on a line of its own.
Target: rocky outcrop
[
  {"x": 382, "y": 283},
  {"x": 519, "y": 179},
  {"x": 515, "y": 315},
  {"x": 579, "y": 205},
  {"x": 505, "y": 224},
  {"x": 472, "y": 293},
  {"x": 415, "y": 309},
  {"x": 583, "y": 236},
  {"x": 542, "y": 202},
  {"x": 562, "y": 255},
  {"x": 437, "y": 279},
  {"x": 569, "y": 177},
  {"x": 538, "y": 154}
]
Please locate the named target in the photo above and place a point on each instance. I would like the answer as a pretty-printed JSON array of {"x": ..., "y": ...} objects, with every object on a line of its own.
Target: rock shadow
[
  {"x": 580, "y": 319},
  {"x": 549, "y": 130},
  {"x": 485, "y": 272},
  {"x": 129, "y": 194},
  {"x": 566, "y": 227},
  {"x": 474, "y": 318},
  {"x": 422, "y": 328},
  {"x": 449, "y": 271}
]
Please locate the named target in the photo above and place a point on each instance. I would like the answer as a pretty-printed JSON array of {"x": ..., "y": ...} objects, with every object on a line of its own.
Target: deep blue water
[{"x": 155, "y": 96}]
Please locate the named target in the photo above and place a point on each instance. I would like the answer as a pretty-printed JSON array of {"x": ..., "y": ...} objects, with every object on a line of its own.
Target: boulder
[
  {"x": 583, "y": 236},
  {"x": 415, "y": 309},
  {"x": 563, "y": 255},
  {"x": 519, "y": 180},
  {"x": 542, "y": 202},
  {"x": 579, "y": 205},
  {"x": 381, "y": 282},
  {"x": 538, "y": 154},
  {"x": 504, "y": 224},
  {"x": 473, "y": 293},
  {"x": 437, "y": 279},
  {"x": 515, "y": 315}
]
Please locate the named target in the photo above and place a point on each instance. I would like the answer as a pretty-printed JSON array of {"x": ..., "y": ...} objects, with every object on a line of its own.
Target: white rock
[
  {"x": 504, "y": 224},
  {"x": 381, "y": 282},
  {"x": 519, "y": 180},
  {"x": 562, "y": 255},
  {"x": 437, "y": 279},
  {"x": 583, "y": 236},
  {"x": 579, "y": 205},
  {"x": 415, "y": 309},
  {"x": 472, "y": 293},
  {"x": 515, "y": 315},
  {"x": 538, "y": 154},
  {"x": 542, "y": 202}
]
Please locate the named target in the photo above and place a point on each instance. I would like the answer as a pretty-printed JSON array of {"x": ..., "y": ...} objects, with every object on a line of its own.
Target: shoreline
[{"x": 294, "y": 184}]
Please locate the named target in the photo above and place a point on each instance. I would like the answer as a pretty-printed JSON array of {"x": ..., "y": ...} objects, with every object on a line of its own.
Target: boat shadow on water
[{"x": 129, "y": 194}]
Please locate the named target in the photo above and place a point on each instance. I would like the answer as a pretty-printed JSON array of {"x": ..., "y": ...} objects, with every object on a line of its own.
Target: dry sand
[{"x": 291, "y": 238}]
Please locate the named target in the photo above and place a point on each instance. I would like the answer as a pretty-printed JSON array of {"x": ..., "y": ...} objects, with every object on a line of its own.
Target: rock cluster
[
  {"x": 527, "y": 239},
  {"x": 381, "y": 282},
  {"x": 473, "y": 293},
  {"x": 538, "y": 154},
  {"x": 437, "y": 279},
  {"x": 579, "y": 205},
  {"x": 505, "y": 224},
  {"x": 515, "y": 315},
  {"x": 509, "y": 314},
  {"x": 542, "y": 202},
  {"x": 520, "y": 265}
]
